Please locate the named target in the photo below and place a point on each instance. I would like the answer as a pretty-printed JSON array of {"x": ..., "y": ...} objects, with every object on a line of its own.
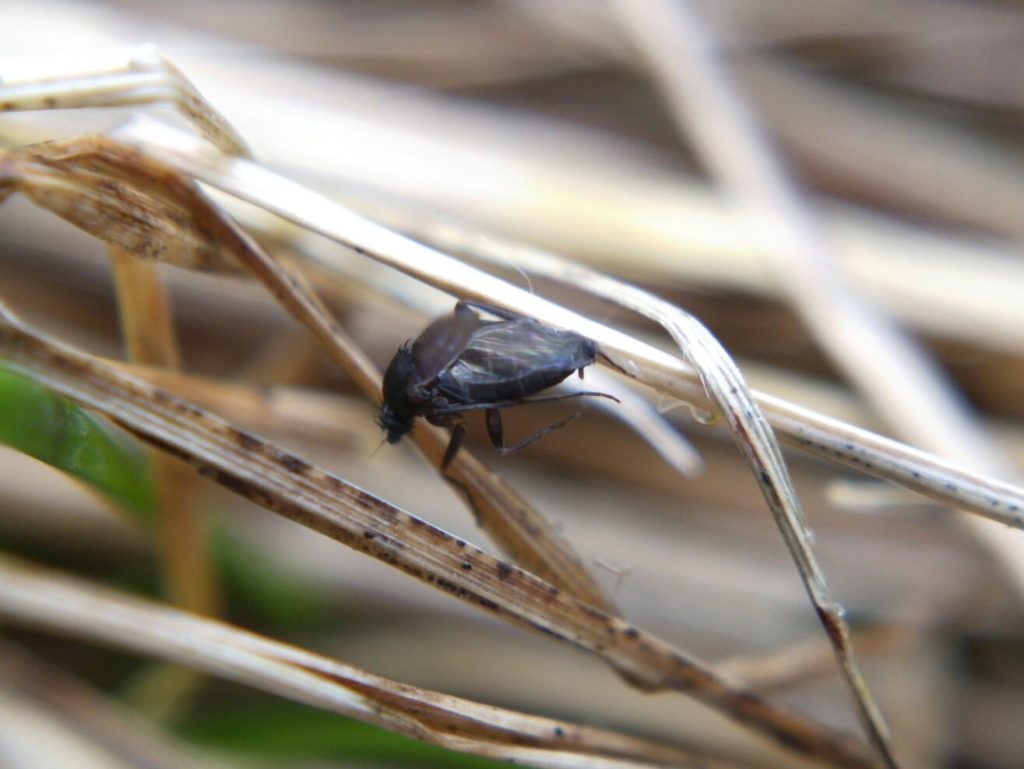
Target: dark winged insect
[{"x": 462, "y": 363}]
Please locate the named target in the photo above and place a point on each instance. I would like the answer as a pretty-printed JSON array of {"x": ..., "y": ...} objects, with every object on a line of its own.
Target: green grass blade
[{"x": 37, "y": 422}]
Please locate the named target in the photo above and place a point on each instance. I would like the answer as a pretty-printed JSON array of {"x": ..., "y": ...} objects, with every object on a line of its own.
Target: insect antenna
[{"x": 382, "y": 442}]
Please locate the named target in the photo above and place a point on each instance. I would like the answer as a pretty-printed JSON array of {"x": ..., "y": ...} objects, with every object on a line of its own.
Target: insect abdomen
[{"x": 514, "y": 388}]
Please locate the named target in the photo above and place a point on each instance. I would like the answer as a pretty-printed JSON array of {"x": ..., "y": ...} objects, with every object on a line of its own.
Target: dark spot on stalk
[
  {"x": 247, "y": 441},
  {"x": 294, "y": 464}
]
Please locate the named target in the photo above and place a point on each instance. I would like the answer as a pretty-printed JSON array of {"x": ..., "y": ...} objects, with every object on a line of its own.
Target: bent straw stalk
[{"x": 291, "y": 487}]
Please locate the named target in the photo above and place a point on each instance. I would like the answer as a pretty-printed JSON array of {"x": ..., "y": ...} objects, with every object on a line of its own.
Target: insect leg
[
  {"x": 455, "y": 408},
  {"x": 567, "y": 396},
  {"x": 454, "y": 444},
  {"x": 496, "y": 432},
  {"x": 448, "y": 459}
]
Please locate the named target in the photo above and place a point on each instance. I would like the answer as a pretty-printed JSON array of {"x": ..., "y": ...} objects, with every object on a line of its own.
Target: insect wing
[
  {"x": 524, "y": 344},
  {"x": 519, "y": 351},
  {"x": 442, "y": 342}
]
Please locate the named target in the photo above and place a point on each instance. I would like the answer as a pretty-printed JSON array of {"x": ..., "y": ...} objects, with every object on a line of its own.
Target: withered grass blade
[
  {"x": 291, "y": 487},
  {"x": 942, "y": 480},
  {"x": 155, "y": 213},
  {"x": 750, "y": 431},
  {"x": 42, "y": 598},
  {"x": 117, "y": 77},
  {"x": 119, "y": 737},
  {"x": 109, "y": 190},
  {"x": 686, "y": 66}
]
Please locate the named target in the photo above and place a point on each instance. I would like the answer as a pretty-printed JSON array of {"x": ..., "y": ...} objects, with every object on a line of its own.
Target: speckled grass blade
[
  {"x": 48, "y": 599},
  {"x": 291, "y": 487}
]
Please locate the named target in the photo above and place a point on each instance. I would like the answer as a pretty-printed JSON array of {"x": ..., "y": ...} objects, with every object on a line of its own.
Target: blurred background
[{"x": 899, "y": 129}]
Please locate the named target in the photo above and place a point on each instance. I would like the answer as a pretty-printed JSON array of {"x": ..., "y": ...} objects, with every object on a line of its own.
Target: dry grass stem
[
  {"x": 797, "y": 665},
  {"x": 707, "y": 106},
  {"x": 885, "y": 158},
  {"x": 462, "y": 151},
  {"x": 147, "y": 325},
  {"x": 111, "y": 728},
  {"x": 110, "y": 191},
  {"x": 908, "y": 390},
  {"x": 289, "y": 486},
  {"x": 42, "y": 598},
  {"x": 944, "y": 481},
  {"x": 808, "y": 112},
  {"x": 645, "y": 419},
  {"x": 969, "y": 293},
  {"x": 112, "y": 78},
  {"x": 750, "y": 430},
  {"x": 152, "y": 202},
  {"x": 516, "y": 526},
  {"x": 147, "y": 322},
  {"x": 768, "y": 461},
  {"x": 321, "y": 417}
]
